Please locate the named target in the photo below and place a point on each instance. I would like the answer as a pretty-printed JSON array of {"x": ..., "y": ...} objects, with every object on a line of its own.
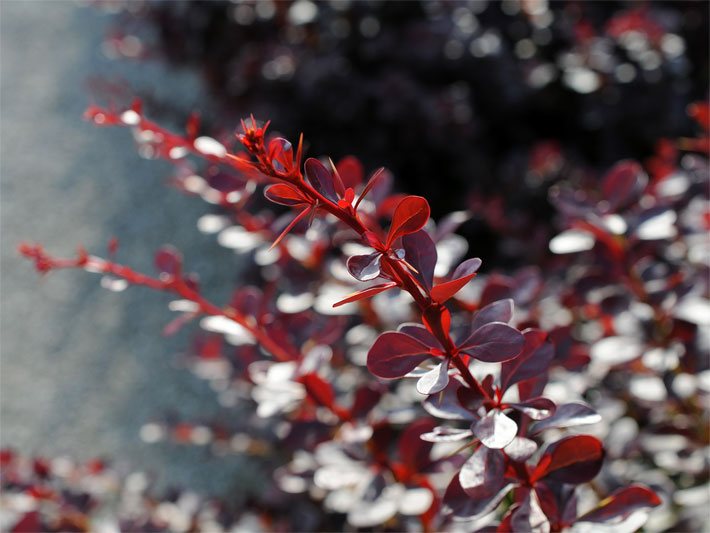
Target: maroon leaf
[
  {"x": 420, "y": 333},
  {"x": 534, "y": 359},
  {"x": 365, "y": 400},
  {"x": 410, "y": 215},
  {"x": 495, "y": 430},
  {"x": 623, "y": 183},
  {"x": 576, "y": 459},
  {"x": 394, "y": 355},
  {"x": 318, "y": 389},
  {"x": 168, "y": 260},
  {"x": 569, "y": 415},
  {"x": 621, "y": 504},
  {"x": 536, "y": 408},
  {"x": 483, "y": 474},
  {"x": 420, "y": 252},
  {"x": 365, "y": 293},
  {"x": 413, "y": 450},
  {"x": 365, "y": 267},
  {"x": 321, "y": 178},
  {"x": 493, "y": 343},
  {"x": 284, "y": 194},
  {"x": 500, "y": 311}
]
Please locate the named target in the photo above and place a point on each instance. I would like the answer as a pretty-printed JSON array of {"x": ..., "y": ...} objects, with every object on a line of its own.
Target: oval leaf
[
  {"x": 535, "y": 358},
  {"x": 483, "y": 474},
  {"x": 621, "y": 504},
  {"x": 494, "y": 343},
  {"x": 495, "y": 430},
  {"x": 420, "y": 252},
  {"x": 410, "y": 215},
  {"x": 365, "y": 267},
  {"x": 500, "y": 311},
  {"x": 576, "y": 459},
  {"x": 321, "y": 178},
  {"x": 435, "y": 380},
  {"x": 394, "y": 354},
  {"x": 284, "y": 194}
]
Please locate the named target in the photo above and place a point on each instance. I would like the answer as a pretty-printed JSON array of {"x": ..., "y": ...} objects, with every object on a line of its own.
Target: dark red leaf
[
  {"x": 365, "y": 400},
  {"x": 284, "y": 194},
  {"x": 410, "y": 215},
  {"x": 395, "y": 354},
  {"x": 621, "y": 504},
  {"x": 414, "y": 451},
  {"x": 321, "y": 178},
  {"x": 365, "y": 293},
  {"x": 493, "y": 343},
  {"x": 576, "y": 459},
  {"x": 535, "y": 358},
  {"x": 318, "y": 389},
  {"x": 168, "y": 260},
  {"x": 365, "y": 267},
  {"x": 623, "y": 183},
  {"x": 420, "y": 252},
  {"x": 529, "y": 517}
]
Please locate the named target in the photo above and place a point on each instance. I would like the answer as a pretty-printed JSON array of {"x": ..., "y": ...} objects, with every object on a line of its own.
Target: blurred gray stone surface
[{"x": 82, "y": 368}]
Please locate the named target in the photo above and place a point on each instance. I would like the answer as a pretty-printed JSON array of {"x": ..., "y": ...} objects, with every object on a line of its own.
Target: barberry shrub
[{"x": 399, "y": 390}]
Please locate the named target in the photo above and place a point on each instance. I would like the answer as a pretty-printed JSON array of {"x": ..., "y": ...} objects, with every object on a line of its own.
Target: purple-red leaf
[
  {"x": 576, "y": 459},
  {"x": 365, "y": 267},
  {"x": 500, "y": 311},
  {"x": 413, "y": 450},
  {"x": 410, "y": 215},
  {"x": 493, "y": 343},
  {"x": 621, "y": 504},
  {"x": 483, "y": 474},
  {"x": 535, "y": 358},
  {"x": 420, "y": 333},
  {"x": 321, "y": 178},
  {"x": 394, "y": 355},
  {"x": 281, "y": 154},
  {"x": 420, "y": 252},
  {"x": 365, "y": 293},
  {"x": 495, "y": 430},
  {"x": 623, "y": 183},
  {"x": 458, "y": 502}
]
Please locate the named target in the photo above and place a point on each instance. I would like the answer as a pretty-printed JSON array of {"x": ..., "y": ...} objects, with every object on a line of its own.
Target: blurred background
[{"x": 475, "y": 105}]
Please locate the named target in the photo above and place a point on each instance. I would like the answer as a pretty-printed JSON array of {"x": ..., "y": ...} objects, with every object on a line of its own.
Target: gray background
[{"x": 82, "y": 369}]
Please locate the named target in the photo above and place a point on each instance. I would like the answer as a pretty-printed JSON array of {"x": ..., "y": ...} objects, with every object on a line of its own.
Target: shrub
[{"x": 400, "y": 389}]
